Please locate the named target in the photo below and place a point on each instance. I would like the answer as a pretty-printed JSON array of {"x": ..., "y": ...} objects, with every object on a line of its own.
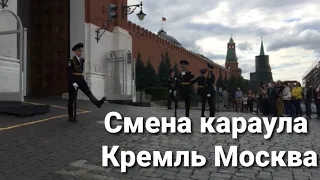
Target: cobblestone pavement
[{"x": 57, "y": 149}]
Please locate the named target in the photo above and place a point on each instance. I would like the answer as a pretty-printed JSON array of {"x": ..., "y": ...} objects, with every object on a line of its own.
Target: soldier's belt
[
  {"x": 185, "y": 83},
  {"x": 77, "y": 74},
  {"x": 200, "y": 86}
]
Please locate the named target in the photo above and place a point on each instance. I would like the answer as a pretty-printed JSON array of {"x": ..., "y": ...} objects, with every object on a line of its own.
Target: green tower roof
[
  {"x": 231, "y": 53},
  {"x": 231, "y": 41}
]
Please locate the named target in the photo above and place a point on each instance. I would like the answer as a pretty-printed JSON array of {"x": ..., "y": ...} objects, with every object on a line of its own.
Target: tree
[
  {"x": 232, "y": 85},
  {"x": 220, "y": 83},
  {"x": 140, "y": 73},
  {"x": 167, "y": 60},
  {"x": 225, "y": 81},
  {"x": 175, "y": 69},
  {"x": 151, "y": 76},
  {"x": 163, "y": 71}
]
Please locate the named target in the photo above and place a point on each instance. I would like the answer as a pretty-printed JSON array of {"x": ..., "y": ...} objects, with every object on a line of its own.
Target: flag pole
[{"x": 162, "y": 21}]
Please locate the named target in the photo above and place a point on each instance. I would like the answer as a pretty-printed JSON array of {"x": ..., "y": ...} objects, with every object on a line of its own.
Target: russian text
[
  {"x": 239, "y": 125},
  {"x": 152, "y": 124},
  {"x": 263, "y": 158},
  {"x": 145, "y": 159}
]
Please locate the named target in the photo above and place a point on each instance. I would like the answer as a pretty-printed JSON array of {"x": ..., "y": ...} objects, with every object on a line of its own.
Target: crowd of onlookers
[{"x": 280, "y": 99}]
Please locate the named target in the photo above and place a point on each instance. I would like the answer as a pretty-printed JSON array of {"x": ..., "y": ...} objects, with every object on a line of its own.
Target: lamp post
[
  {"x": 4, "y": 3},
  {"x": 126, "y": 10},
  {"x": 111, "y": 9}
]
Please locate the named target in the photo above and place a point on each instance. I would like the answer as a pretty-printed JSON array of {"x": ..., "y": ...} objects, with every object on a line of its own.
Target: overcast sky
[{"x": 290, "y": 30}]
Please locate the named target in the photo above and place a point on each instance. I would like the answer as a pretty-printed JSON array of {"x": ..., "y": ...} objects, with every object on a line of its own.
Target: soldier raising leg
[{"x": 76, "y": 81}]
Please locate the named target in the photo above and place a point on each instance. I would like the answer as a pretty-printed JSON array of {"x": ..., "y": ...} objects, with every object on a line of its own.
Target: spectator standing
[
  {"x": 317, "y": 98},
  {"x": 272, "y": 96},
  {"x": 265, "y": 102},
  {"x": 279, "y": 102},
  {"x": 238, "y": 97},
  {"x": 225, "y": 100},
  {"x": 286, "y": 97},
  {"x": 297, "y": 96},
  {"x": 250, "y": 100},
  {"x": 245, "y": 103},
  {"x": 308, "y": 99}
]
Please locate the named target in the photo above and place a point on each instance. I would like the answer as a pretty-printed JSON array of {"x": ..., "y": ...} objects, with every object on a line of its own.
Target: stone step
[{"x": 22, "y": 109}]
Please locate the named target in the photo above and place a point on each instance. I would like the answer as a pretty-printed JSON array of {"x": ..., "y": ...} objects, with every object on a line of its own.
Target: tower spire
[{"x": 261, "y": 47}]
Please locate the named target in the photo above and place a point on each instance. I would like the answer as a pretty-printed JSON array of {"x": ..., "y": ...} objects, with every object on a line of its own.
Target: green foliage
[
  {"x": 175, "y": 69},
  {"x": 140, "y": 74},
  {"x": 151, "y": 78},
  {"x": 220, "y": 83},
  {"x": 163, "y": 72},
  {"x": 164, "y": 68},
  {"x": 232, "y": 85},
  {"x": 167, "y": 60},
  {"x": 225, "y": 81},
  {"x": 158, "y": 93},
  {"x": 235, "y": 82}
]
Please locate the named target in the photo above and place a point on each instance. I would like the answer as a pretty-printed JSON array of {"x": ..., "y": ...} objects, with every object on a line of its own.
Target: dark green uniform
[
  {"x": 172, "y": 88},
  {"x": 185, "y": 88},
  {"x": 201, "y": 90},
  {"x": 75, "y": 70},
  {"x": 211, "y": 93}
]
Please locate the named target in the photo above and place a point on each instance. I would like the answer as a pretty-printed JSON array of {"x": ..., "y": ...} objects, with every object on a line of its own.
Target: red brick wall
[
  {"x": 94, "y": 13},
  {"x": 147, "y": 43},
  {"x": 152, "y": 46}
]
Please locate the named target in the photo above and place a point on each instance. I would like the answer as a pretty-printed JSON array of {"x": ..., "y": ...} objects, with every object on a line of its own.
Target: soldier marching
[
  {"x": 172, "y": 88},
  {"x": 210, "y": 90},
  {"x": 76, "y": 81},
  {"x": 201, "y": 89},
  {"x": 185, "y": 89},
  {"x": 183, "y": 83}
]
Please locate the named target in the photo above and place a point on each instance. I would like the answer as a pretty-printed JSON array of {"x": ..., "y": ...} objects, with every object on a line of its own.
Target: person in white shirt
[
  {"x": 286, "y": 97},
  {"x": 245, "y": 103}
]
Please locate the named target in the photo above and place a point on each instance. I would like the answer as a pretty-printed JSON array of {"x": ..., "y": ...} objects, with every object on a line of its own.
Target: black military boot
[
  {"x": 95, "y": 101},
  {"x": 72, "y": 119},
  {"x": 187, "y": 112},
  {"x": 101, "y": 102}
]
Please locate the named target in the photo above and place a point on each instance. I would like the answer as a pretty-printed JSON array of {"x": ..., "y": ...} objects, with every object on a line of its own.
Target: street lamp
[
  {"x": 4, "y": 3},
  {"x": 126, "y": 10}
]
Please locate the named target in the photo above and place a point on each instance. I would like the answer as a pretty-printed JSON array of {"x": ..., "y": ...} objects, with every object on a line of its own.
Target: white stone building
[{"x": 52, "y": 28}]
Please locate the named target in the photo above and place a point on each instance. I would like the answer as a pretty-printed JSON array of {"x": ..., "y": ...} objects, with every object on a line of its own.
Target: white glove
[
  {"x": 208, "y": 95},
  {"x": 175, "y": 93},
  {"x": 170, "y": 91},
  {"x": 183, "y": 73},
  {"x": 75, "y": 85}
]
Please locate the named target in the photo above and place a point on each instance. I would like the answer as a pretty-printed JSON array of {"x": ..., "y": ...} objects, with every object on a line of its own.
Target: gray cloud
[
  {"x": 216, "y": 56},
  {"x": 247, "y": 68},
  {"x": 303, "y": 34},
  {"x": 284, "y": 66},
  {"x": 308, "y": 39},
  {"x": 245, "y": 46}
]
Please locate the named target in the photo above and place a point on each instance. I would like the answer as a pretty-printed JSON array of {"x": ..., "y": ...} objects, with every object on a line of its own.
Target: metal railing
[
  {"x": 310, "y": 68},
  {"x": 20, "y": 32}
]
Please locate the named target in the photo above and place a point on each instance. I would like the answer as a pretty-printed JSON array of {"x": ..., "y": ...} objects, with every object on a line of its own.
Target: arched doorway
[
  {"x": 48, "y": 46},
  {"x": 120, "y": 78}
]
